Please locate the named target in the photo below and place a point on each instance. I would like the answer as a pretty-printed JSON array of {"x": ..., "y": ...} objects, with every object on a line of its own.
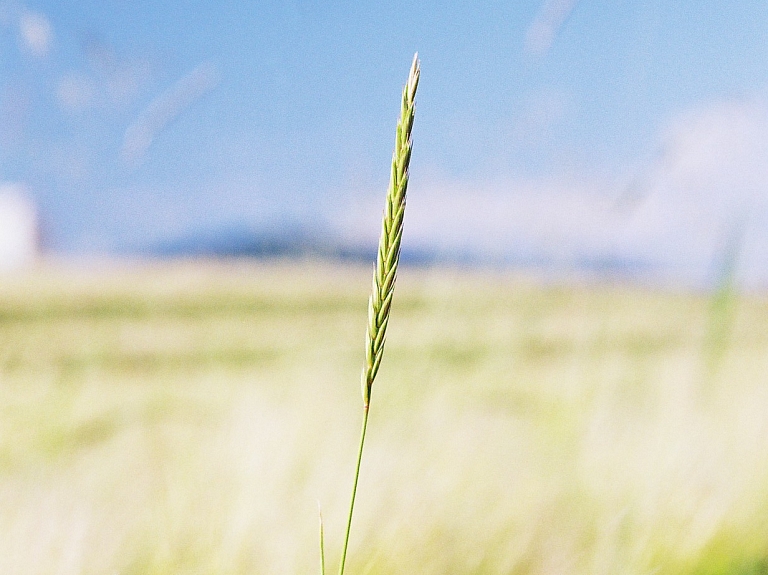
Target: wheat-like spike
[
  {"x": 385, "y": 272},
  {"x": 388, "y": 257}
]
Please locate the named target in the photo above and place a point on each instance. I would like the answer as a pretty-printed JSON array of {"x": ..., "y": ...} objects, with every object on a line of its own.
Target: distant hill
[
  {"x": 292, "y": 242},
  {"x": 288, "y": 242}
]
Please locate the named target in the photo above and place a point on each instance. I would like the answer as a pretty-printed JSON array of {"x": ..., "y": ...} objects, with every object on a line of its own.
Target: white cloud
[
  {"x": 165, "y": 108},
  {"x": 558, "y": 219},
  {"x": 718, "y": 152},
  {"x": 35, "y": 33},
  {"x": 711, "y": 178},
  {"x": 544, "y": 28}
]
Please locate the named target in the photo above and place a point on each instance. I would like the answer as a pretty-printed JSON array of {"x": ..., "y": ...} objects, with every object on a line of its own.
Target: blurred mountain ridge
[{"x": 298, "y": 242}]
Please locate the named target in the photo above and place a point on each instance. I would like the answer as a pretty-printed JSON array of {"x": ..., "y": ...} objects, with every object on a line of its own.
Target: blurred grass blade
[
  {"x": 322, "y": 540},
  {"x": 723, "y": 304}
]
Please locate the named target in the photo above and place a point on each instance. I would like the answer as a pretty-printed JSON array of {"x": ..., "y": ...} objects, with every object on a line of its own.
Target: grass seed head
[{"x": 388, "y": 255}]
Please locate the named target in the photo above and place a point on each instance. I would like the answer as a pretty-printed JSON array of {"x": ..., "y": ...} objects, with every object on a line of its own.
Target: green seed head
[{"x": 388, "y": 256}]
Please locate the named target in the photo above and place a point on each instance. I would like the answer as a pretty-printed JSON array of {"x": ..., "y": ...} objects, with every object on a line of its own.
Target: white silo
[{"x": 18, "y": 228}]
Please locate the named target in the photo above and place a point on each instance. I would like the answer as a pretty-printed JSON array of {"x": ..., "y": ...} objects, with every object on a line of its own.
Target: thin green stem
[
  {"x": 386, "y": 268},
  {"x": 322, "y": 541},
  {"x": 354, "y": 489}
]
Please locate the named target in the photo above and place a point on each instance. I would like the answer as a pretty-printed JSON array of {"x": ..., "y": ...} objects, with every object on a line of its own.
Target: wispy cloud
[
  {"x": 710, "y": 176},
  {"x": 539, "y": 112},
  {"x": 550, "y": 18},
  {"x": 121, "y": 79},
  {"x": 35, "y": 34},
  {"x": 495, "y": 220},
  {"x": 74, "y": 92},
  {"x": 720, "y": 150},
  {"x": 714, "y": 154},
  {"x": 164, "y": 109}
]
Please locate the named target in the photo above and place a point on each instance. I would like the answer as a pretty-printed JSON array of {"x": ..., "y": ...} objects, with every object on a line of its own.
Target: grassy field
[{"x": 186, "y": 418}]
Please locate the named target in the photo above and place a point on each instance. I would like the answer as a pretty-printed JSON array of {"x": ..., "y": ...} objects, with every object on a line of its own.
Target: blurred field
[{"x": 186, "y": 419}]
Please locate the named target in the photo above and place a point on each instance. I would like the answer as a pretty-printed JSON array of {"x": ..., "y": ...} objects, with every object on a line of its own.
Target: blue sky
[{"x": 556, "y": 129}]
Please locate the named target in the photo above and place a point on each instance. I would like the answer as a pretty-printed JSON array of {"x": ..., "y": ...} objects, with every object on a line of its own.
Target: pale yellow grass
[{"x": 186, "y": 418}]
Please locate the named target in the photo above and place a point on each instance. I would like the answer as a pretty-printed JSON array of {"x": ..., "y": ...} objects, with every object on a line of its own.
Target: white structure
[{"x": 18, "y": 228}]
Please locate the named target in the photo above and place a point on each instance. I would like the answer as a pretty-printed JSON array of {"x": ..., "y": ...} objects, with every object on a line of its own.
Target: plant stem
[
  {"x": 385, "y": 272},
  {"x": 322, "y": 541},
  {"x": 354, "y": 489}
]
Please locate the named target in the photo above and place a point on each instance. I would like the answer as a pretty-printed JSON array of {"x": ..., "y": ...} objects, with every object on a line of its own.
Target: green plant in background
[
  {"x": 384, "y": 276},
  {"x": 723, "y": 304}
]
